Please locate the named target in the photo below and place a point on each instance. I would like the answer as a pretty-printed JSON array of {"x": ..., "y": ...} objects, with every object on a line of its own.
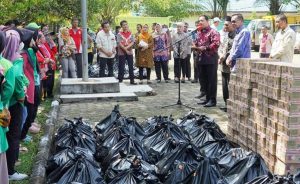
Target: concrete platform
[
  {"x": 116, "y": 97},
  {"x": 94, "y": 85},
  {"x": 139, "y": 90}
]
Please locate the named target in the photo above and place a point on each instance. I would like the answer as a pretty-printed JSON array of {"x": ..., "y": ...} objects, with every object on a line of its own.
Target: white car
[{"x": 296, "y": 28}]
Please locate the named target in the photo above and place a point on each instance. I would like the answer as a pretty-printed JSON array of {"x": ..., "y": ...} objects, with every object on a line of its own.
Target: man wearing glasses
[
  {"x": 241, "y": 47},
  {"x": 283, "y": 46}
]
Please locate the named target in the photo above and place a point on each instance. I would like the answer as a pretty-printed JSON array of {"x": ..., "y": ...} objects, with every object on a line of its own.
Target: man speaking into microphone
[{"x": 207, "y": 44}]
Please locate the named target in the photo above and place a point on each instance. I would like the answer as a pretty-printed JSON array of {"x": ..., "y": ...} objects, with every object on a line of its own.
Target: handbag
[{"x": 5, "y": 118}]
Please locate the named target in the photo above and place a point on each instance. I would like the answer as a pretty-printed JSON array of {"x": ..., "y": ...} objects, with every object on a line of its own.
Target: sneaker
[
  {"x": 34, "y": 130},
  {"x": 27, "y": 139},
  {"x": 17, "y": 176}
]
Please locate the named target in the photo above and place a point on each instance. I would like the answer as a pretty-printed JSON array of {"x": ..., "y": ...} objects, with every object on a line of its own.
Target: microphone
[{"x": 199, "y": 28}]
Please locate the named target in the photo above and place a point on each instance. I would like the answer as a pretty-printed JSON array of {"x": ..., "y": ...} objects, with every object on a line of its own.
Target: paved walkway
[{"x": 146, "y": 107}]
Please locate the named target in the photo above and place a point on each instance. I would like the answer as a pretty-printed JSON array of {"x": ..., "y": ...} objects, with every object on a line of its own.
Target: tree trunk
[
  {"x": 215, "y": 8},
  {"x": 274, "y": 7}
]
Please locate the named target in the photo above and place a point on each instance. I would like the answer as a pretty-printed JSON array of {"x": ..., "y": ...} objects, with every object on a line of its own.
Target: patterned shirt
[
  {"x": 125, "y": 38},
  {"x": 161, "y": 44},
  {"x": 210, "y": 39}
]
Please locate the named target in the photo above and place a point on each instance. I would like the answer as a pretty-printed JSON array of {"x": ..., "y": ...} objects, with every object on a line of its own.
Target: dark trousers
[
  {"x": 264, "y": 55},
  {"x": 161, "y": 65},
  {"x": 208, "y": 80},
  {"x": 31, "y": 112},
  {"x": 196, "y": 72},
  {"x": 225, "y": 83},
  {"x": 122, "y": 62},
  {"x": 110, "y": 64},
  {"x": 188, "y": 66},
  {"x": 78, "y": 59},
  {"x": 90, "y": 58},
  {"x": 50, "y": 82},
  {"x": 13, "y": 136},
  {"x": 141, "y": 71},
  {"x": 178, "y": 69}
]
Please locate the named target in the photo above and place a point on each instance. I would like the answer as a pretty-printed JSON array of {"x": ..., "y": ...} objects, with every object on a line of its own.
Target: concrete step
[
  {"x": 94, "y": 85},
  {"x": 139, "y": 90},
  {"x": 97, "y": 97}
]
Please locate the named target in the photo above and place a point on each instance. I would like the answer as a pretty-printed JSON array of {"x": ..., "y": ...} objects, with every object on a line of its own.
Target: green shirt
[
  {"x": 20, "y": 79},
  {"x": 36, "y": 75},
  {"x": 8, "y": 88},
  {"x": 9, "y": 84}
]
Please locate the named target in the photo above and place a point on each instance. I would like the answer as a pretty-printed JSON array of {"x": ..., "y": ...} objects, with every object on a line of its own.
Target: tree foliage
[{"x": 178, "y": 9}]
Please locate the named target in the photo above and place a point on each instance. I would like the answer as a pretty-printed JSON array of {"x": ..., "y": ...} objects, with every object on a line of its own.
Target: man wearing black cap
[{"x": 227, "y": 36}]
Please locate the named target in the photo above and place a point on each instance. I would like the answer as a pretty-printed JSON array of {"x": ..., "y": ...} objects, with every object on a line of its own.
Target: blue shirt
[{"x": 241, "y": 47}]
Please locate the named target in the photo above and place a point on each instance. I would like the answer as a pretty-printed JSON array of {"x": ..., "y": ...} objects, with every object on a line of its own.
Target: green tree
[
  {"x": 178, "y": 9},
  {"x": 274, "y": 5},
  {"x": 218, "y": 8}
]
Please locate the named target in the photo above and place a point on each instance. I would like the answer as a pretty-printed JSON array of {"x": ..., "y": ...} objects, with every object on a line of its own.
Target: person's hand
[
  {"x": 202, "y": 48},
  {"x": 47, "y": 60},
  {"x": 219, "y": 61},
  {"x": 229, "y": 62},
  {"x": 109, "y": 54},
  {"x": 270, "y": 57}
]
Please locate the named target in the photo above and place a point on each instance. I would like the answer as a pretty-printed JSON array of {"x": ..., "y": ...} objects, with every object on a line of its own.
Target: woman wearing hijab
[
  {"x": 161, "y": 53},
  {"x": 46, "y": 62},
  {"x": 11, "y": 52},
  {"x": 67, "y": 50},
  {"x": 145, "y": 53},
  {"x": 31, "y": 71},
  {"x": 7, "y": 89}
]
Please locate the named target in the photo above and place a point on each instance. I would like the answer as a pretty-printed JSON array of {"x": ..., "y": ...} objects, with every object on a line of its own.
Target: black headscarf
[
  {"x": 2, "y": 41},
  {"x": 26, "y": 37}
]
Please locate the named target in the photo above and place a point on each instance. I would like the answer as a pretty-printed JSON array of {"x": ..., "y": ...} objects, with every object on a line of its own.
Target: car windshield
[{"x": 296, "y": 28}]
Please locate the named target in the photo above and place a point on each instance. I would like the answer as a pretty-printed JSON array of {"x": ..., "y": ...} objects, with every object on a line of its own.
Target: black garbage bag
[
  {"x": 152, "y": 122},
  {"x": 75, "y": 133},
  {"x": 129, "y": 145},
  {"x": 132, "y": 127},
  {"x": 246, "y": 169},
  {"x": 60, "y": 158},
  {"x": 214, "y": 149},
  {"x": 112, "y": 137},
  {"x": 79, "y": 169},
  {"x": 180, "y": 171},
  {"x": 202, "y": 138},
  {"x": 185, "y": 152},
  {"x": 228, "y": 159},
  {"x": 273, "y": 179},
  {"x": 161, "y": 149},
  {"x": 207, "y": 172},
  {"x": 126, "y": 162},
  {"x": 297, "y": 178},
  {"x": 109, "y": 121},
  {"x": 163, "y": 131}
]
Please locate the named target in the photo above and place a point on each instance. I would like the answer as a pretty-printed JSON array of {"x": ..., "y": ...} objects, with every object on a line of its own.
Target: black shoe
[
  {"x": 158, "y": 81},
  {"x": 210, "y": 103},
  {"x": 120, "y": 81},
  {"x": 149, "y": 82},
  {"x": 176, "y": 81},
  {"x": 223, "y": 109},
  {"x": 182, "y": 81},
  {"x": 167, "y": 81},
  {"x": 133, "y": 83},
  {"x": 202, "y": 102},
  {"x": 200, "y": 96},
  {"x": 194, "y": 81}
]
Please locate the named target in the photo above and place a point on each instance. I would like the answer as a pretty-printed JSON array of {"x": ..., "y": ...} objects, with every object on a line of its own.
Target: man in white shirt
[
  {"x": 266, "y": 40},
  {"x": 283, "y": 46},
  {"x": 106, "y": 44}
]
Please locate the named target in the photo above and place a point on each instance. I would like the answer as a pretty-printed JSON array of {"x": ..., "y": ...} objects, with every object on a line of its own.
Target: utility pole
[{"x": 85, "y": 76}]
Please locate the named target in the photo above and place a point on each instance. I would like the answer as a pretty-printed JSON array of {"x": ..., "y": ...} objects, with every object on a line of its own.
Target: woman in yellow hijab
[{"x": 145, "y": 53}]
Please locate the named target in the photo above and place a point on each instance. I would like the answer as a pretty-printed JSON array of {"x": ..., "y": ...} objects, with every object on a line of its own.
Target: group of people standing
[{"x": 27, "y": 65}]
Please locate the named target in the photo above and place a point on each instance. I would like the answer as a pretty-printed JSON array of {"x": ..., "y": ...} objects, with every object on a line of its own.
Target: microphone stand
[{"x": 179, "y": 91}]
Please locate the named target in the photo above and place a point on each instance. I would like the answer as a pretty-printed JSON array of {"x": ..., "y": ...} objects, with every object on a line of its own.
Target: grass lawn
[{"x": 28, "y": 159}]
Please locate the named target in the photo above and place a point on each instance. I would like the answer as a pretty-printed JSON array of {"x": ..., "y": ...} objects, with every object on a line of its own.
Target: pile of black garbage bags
[{"x": 191, "y": 150}]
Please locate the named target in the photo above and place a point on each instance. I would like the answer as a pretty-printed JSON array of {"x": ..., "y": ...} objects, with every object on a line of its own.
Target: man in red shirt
[
  {"x": 76, "y": 34},
  {"x": 207, "y": 44}
]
